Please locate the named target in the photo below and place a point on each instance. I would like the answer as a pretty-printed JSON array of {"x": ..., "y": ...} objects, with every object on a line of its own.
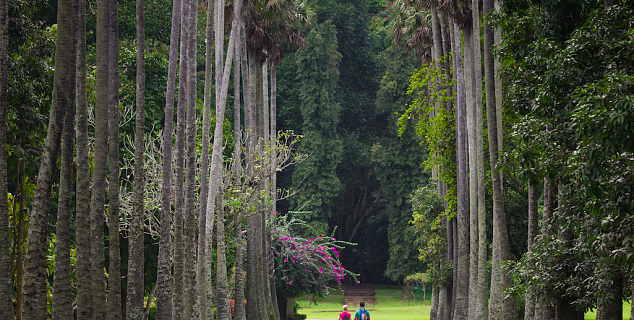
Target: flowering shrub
[{"x": 305, "y": 265}]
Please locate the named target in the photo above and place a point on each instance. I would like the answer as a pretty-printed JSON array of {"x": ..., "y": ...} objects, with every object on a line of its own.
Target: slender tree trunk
[
  {"x": 20, "y": 245},
  {"x": 6, "y": 290},
  {"x": 98, "y": 194},
  {"x": 34, "y": 305},
  {"x": 239, "y": 312},
  {"x": 209, "y": 221},
  {"x": 179, "y": 272},
  {"x": 215, "y": 178},
  {"x": 222, "y": 283},
  {"x": 204, "y": 290},
  {"x": 550, "y": 193},
  {"x": 500, "y": 233},
  {"x": 136, "y": 287},
  {"x": 273, "y": 139},
  {"x": 448, "y": 314},
  {"x": 433, "y": 314},
  {"x": 62, "y": 301},
  {"x": 442, "y": 302},
  {"x": 469, "y": 76},
  {"x": 482, "y": 296},
  {"x": 114, "y": 271},
  {"x": 498, "y": 98},
  {"x": 532, "y": 233},
  {"x": 164, "y": 306},
  {"x": 462, "y": 294},
  {"x": 253, "y": 309},
  {"x": 84, "y": 270},
  {"x": 190, "y": 292}
]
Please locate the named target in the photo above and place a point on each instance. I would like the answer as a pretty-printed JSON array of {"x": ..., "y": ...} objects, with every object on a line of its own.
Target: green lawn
[{"x": 390, "y": 305}]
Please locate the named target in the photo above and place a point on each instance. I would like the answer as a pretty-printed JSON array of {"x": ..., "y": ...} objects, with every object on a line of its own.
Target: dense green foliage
[{"x": 573, "y": 88}]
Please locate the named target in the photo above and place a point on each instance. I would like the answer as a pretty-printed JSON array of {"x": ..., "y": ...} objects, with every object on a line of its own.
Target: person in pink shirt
[{"x": 345, "y": 315}]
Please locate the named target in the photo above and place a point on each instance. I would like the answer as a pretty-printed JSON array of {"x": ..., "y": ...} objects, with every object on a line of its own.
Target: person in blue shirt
[{"x": 362, "y": 313}]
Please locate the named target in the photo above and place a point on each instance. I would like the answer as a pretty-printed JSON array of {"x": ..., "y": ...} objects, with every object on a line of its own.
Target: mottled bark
[
  {"x": 433, "y": 313},
  {"x": 136, "y": 287},
  {"x": 222, "y": 283},
  {"x": 114, "y": 270},
  {"x": 442, "y": 302},
  {"x": 6, "y": 290},
  {"x": 482, "y": 295},
  {"x": 462, "y": 293},
  {"x": 190, "y": 297},
  {"x": 164, "y": 306},
  {"x": 204, "y": 290},
  {"x": 83, "y": 236},
  {"x": 529, "y": 313},
  {"x": 215, "y": 177},
  {"x": 179, "y": 279},
  {"x": 501, "y": 308},
  {"x": 447, "y": 315},
  {"x": 239, "y": 312},
  {"x": 498, "y": 103},
  {"x": 62, "y": 301},
  {"x": 100, "y": 146},
  {"x": 34, "y": 304}
]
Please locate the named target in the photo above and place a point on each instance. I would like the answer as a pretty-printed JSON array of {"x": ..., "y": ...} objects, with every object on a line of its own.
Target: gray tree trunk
[
  {"x": 62, "y": 301},
  {"x": 442, "y": 302},
  {"x": 498, "y": 101},
  {"x": 114, "y": 270},
  {"x": 550, "y": 193},
  {"x": 164, "y": 306},
  {"x": 83, "y": 238},
  {"x": 447, "y": 315},
  {"x": 462, "y": 293},
  {"x": 254, "y": 298},
  {"x": 34, "y": 304},
  {"x": 136, "y": 287},
  {"x": 190, "y": 297},
  {"x": 482, "y": 296},
  {"x": 239, "y": 312},
  {"x": 532, "y": 233},
  {"x": 98, "y": 195},
  {"x": 469, "y": 78},
  {"x": 179, "y": 255},
  {"x": 204, "y": 290},
  {"x": 6, "y": 290},
  {"x": 222, "y": 283},
  {"x": 433, "y": 314},
  {"x": 501, "y": 308}
]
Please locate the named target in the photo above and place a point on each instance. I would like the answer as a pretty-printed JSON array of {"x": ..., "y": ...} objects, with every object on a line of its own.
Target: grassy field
[{"x": 390, "y": 305}]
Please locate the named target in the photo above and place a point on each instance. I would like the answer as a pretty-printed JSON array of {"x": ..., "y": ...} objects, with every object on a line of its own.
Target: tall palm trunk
[
  {"x": 114, "y": 271},
  {"x": 482, "y": 295},
  {"x": 254, "y": 298},
  {"x": 6, "y": 290},
  {"x": 62, "y": 302},
  {"x": 532, "y": 233},
  {"x": 98, "y": 195},
  {"x": 501, "y": 307},
  {"x": 215, "y": 178},
  {"x": 34, "y": 304},
  {"x": 273, "y": 189},
  {"x": 179, "y": 279},
  {"x": 136, "y": 288},
  {"x": 469, "y": 76},
  {"x": 462, "y": 294},
  {"x": 203, "y": 267},
  {"x": 190, "y": 292},
  {"x": 83, "y": 242},
  {"x": 164, "y": 306}
]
